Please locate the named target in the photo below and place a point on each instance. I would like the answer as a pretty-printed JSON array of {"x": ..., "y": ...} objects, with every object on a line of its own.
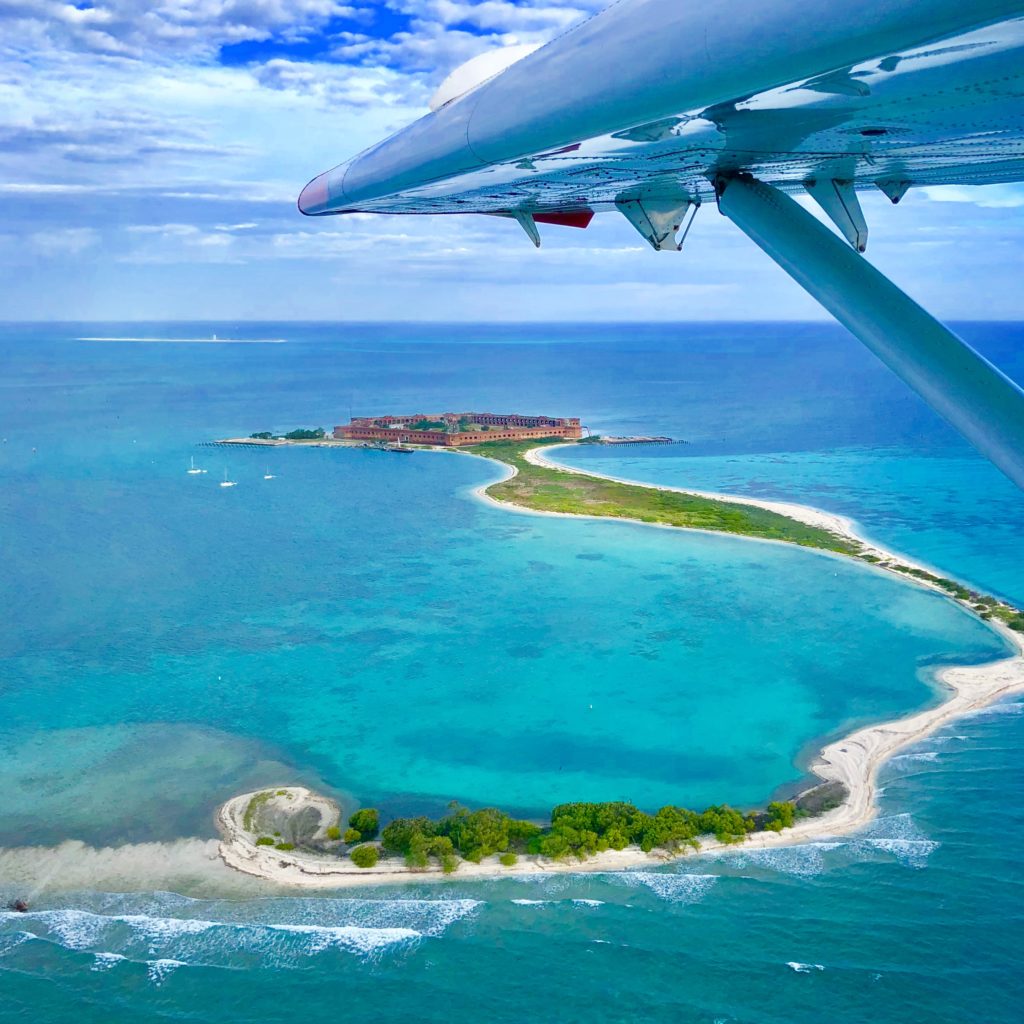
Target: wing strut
[{"x": 958, "y": 383}]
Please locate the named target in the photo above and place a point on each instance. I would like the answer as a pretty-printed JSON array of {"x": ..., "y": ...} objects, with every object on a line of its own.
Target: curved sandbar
[{"x": 853, "y": 761}]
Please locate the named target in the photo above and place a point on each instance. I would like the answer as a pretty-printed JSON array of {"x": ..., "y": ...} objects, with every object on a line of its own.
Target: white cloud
[
  {"x": 62, "y": 242},
  {"x": 133, "y": 28},
  {"x": 443, "y": 34},
  {"x": 988, "y": 196}
]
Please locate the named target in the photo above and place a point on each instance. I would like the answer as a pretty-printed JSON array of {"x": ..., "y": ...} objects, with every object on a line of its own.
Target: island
[{"x": 293, "y": 836}]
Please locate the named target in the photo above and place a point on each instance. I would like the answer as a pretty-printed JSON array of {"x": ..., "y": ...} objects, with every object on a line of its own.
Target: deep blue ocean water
[{"x": 360, "y": 624}]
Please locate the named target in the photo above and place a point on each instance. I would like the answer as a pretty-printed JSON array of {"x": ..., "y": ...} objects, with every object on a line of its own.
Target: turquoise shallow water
[
  {"x": 361, "y": 624},
  {"x": 947, "y": 507}
]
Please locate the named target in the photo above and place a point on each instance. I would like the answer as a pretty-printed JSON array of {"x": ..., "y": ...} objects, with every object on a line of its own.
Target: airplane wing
[{"x": 655, "y": 107}]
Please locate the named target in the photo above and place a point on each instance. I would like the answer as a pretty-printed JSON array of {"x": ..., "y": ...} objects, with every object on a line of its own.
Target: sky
[{"x": 151, "y": 154}]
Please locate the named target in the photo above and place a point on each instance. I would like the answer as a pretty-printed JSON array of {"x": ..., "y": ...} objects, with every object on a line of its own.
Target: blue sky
[{"x": 151, "y": 153}]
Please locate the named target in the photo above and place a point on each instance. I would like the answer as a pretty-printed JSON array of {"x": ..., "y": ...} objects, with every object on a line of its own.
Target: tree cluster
[
  {"x": 471, "y": 835},
  {"x": 577, "y": 829},
  {"x": 583, "y": 829}
]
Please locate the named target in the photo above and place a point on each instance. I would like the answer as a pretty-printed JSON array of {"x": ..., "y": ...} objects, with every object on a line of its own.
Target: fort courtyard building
[{"x": 454, "y": 429}]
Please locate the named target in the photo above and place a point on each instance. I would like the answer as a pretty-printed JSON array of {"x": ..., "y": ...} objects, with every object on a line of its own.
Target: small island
[{"x": 295, "y": 836}]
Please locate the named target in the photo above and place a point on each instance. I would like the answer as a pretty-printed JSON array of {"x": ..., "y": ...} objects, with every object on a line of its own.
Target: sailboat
[
  {"x": 268, "y": 475},
  {"x": 226, "y": 482},
  {"x": 192, "y": 469}
]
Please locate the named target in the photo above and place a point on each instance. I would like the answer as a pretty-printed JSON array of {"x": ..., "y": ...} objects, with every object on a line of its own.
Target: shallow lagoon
[{"x": 363, "y": 623}]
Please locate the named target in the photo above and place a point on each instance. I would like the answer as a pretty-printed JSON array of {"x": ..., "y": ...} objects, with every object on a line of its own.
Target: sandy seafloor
[{"x": 166, "y": 648}]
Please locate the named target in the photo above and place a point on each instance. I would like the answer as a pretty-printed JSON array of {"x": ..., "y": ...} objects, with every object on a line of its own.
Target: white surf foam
[
  {"x": 673, "y": 888},
  {"x": 12, "y": 940},
  {"x": 361, "y": 927},
  {"x": 804, "y": 860},
  {"x": 900, "y": 836},
  {"x": 361, "y": 941},
  {"x": 159, "y": 970},
  {"x": 1011, "y": 708},
  {"x": 106, "y": 961},
  {"x": 923, "y": 755},
  {"x": 800, "y": 968}
]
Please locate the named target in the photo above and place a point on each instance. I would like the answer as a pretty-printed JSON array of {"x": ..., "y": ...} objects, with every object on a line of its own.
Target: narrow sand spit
[{"x": 854, "y": 760}]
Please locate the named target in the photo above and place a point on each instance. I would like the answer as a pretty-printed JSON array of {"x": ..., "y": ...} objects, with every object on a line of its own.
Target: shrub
[
  {"x": 264, "y": 841},
  {"x": 725, "y": 823},
  {"x": 417, "y": 853},
  {"x": 780, "y": 816},
  {"x": 285, "y": 846},
  {"x": 353, "y": 835},
  {"x": 399, "y": 834},
  {"x": 508, "y": 859},
  {"x": 333, "y": 832},
  {"x": 365, "y": 821},
  {"x": 365, "y": 856}
]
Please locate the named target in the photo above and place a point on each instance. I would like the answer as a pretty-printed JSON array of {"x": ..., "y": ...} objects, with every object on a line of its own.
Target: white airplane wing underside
[{"x": 946, "y": 112}]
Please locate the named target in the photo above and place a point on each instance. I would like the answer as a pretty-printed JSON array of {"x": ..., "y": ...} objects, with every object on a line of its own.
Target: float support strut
[{"x": 958, "y": 383}]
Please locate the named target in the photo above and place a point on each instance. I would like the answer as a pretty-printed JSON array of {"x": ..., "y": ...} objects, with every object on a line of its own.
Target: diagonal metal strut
[{"x": 958, "y": 383}]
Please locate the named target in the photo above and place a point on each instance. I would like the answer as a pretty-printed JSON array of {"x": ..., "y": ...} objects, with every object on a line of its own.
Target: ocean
[{"x": 362, "y": 625}]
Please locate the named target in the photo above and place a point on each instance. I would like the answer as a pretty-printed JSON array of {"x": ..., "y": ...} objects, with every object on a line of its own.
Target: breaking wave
[
  {"x": 924, "y": 755},
  {"x": 673, "y": 888},
  {"x": 803, "y": 860},
  {"x": 1006, "y": 708},
  {"x": 898, "y": 835},
  {"x": 164, "y": 942},
  {"x": 800, "y": 968}
]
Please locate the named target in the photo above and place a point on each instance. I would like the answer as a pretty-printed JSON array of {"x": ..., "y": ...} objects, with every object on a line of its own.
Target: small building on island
[{"x": 454, "y": 429}]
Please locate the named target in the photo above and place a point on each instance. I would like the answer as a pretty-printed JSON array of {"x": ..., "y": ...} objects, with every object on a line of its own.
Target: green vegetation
[
  {"x": 367, "y": 821},
  {"x": 585, "y": 828},
  {"x": 556, "y": 490},
  {"x": 353, "y": 835},
  {"x": 427, "y": 425},
  {"x": 257, "y": 801},
  {"x": 285, "y": 846},
  {"x": 472, "y": 835},
  {"x": 334, "y": 833},
  {"x": 265, "y": 841},
  {"x": 780, "y": 816},
  {"x": 365, "y": 856},
  {"x": 576, "y": 830},
  {"x": 985, "y": 605},
  {"x": 263, "y": 435},
  {"x": 306, "y": 435}
]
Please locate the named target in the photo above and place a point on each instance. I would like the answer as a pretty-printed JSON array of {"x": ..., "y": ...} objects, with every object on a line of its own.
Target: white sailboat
[
  {"x": 192, "y": 468},
  {"x": 268, "y": 475},
  {"x": 226, "y": 482}
]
